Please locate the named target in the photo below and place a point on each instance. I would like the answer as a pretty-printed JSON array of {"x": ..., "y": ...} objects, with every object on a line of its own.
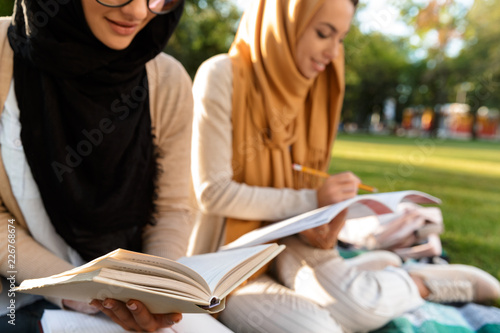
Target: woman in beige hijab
[{"x": 275, "y": 100}]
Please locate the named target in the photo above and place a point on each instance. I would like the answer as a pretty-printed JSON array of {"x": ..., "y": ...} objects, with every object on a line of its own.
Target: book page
[
  {"x": 393, "y": 199},
  {"x": 238, "y": 276},
  {"x": 162, "y": 263},
  {"x": 161, "y": 284},
  {"x": 214, "y": 266},
  {"x": 101, "y": 288},
  {"x": 145, "y": 269},
  {"x": 359, "y": 206},
  {"x": 138, "y": 281},
  {"x": 198, "y": 323},
  {"x": 128, "y": 260},
  {"x": 62, "y": 321}
]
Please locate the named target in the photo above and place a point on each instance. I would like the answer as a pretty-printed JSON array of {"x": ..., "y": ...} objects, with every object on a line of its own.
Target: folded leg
[
  {"x": 358, "y": 299},
  {"x": 265, "y": 306}
]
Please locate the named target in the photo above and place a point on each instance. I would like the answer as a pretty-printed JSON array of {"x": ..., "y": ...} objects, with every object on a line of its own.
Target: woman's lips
[
  {"x": 122, "y": 28},
  {"x": 318, "y": 66}
]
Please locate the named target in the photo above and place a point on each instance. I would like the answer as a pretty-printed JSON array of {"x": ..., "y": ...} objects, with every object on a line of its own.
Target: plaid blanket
[{"x": 439, "y": 318}]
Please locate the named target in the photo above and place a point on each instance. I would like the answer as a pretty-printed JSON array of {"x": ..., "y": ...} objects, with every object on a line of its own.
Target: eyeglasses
[{"x": 155, "y": 6}]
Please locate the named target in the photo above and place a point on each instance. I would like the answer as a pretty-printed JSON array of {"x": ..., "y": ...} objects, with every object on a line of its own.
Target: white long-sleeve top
[{"x": 217, "y": 194}]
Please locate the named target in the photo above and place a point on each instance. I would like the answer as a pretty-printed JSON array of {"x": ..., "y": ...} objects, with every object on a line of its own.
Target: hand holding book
[
  {"x": 190, "y": 285},
  {"x": 325, "y": 236},
  {"x": 335, "y": 188},
  {"x": 359, "y": 206}
]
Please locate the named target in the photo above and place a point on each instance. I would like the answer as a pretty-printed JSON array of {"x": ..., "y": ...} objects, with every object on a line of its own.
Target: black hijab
[{"x": 86, "y": 125}]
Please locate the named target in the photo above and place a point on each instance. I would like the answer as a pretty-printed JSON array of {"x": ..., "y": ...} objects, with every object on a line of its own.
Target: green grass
[{"x": 465, "y": 175}]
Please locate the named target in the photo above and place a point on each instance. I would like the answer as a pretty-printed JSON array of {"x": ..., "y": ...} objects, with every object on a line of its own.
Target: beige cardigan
[
  {"x": 218, "y": 196},
  {"x": 171, "y": 115}
]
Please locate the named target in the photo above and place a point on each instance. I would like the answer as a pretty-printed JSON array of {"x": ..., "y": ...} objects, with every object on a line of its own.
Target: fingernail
[
  {"x": 173, "y": 322},
  {"x": 107, "y": 305},
  {"x": 96, "y": 303},
  {"x": 132, "y": 306}
]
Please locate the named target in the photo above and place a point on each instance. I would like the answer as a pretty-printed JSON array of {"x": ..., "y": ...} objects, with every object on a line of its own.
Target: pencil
[{"x": 319, "y": 173}]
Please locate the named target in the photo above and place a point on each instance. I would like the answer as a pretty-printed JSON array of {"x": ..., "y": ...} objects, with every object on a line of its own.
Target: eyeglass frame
[{"x": 147, "y": 1}]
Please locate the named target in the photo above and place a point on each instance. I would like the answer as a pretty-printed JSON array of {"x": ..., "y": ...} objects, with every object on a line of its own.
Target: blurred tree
[
  {"x": 6, "y": 7},
  {"x": 478, "y": 65},
  {"x": 207, "y": 28},
  {"x": 375, "y": 67},
  {"x": 437, "y": 22},
  {"x": 443, "y": 27},
  {"x": 439, "y": 27},
  {"x": 479, "y": 62}
]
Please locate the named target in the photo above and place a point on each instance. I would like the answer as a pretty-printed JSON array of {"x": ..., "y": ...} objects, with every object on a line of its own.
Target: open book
[
  {"x": 189, "y": 285},
  {"x": 359, "y": 206}
]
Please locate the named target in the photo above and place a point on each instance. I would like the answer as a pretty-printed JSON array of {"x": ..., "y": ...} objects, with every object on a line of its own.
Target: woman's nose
[
  {"x": 138, "y": 9},
  {"x": 333, "y": 50}
]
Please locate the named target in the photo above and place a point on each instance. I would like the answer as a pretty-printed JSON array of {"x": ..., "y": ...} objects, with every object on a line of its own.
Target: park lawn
[{"x": 465, "y": 175}]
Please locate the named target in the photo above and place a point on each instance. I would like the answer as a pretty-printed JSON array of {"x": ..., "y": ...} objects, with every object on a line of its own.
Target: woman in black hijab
[{"x": 105, "y": 126}]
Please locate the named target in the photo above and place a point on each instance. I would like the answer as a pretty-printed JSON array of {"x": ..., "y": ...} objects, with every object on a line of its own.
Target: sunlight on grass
[
  {"x": 429, "y": 155},
  {"x": 464, "y": 175}
]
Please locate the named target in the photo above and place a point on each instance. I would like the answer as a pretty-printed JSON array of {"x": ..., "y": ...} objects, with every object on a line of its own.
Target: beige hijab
[{"x": 279, "y": 117}]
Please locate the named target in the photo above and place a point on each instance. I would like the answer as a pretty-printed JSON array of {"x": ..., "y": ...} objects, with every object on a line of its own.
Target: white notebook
[{"x": 62, "y": 321}]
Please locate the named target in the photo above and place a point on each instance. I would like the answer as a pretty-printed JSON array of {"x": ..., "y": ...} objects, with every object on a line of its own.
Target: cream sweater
[
  {"x": 218, "y": 196},
  {"x": 171, "y": 115}
]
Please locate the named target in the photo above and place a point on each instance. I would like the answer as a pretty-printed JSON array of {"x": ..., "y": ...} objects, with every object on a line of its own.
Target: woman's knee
[{"x": 266, "y": 306}]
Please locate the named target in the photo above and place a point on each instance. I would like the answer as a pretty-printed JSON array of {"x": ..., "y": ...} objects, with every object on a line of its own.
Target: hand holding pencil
[
  {"x": 322, "y": 174},
  {"x": 335, "y": 188}
]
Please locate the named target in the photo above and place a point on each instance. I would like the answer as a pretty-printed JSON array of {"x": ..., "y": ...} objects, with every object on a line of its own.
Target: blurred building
[
  {"x": 453, "y": 120},
  {"x": 488, "y": 123},
  {"x": 456, "y": 121}
]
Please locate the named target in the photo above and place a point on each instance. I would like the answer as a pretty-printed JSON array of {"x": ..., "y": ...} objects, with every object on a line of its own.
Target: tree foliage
[
  {"x": 375, "y": 66},
  {"x": 479, "y": 62},
  {"x": 378, "y": 67},
  {"x": 436, "y": 22},
  {"x": 207, "y": 28},
  {"x": 6, "y": 7}
]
